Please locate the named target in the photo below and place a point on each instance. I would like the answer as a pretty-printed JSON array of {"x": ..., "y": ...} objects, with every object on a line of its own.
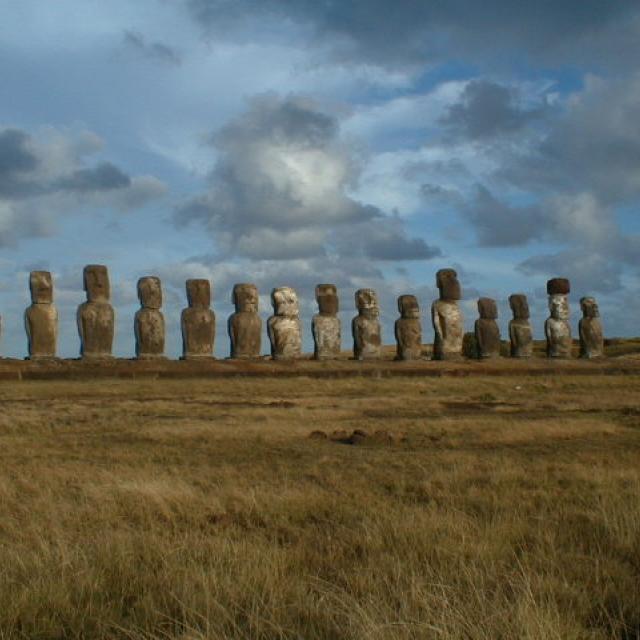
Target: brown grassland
[{"x": 202, "y": 508}]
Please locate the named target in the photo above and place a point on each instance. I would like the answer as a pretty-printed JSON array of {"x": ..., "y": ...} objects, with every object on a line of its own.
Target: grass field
[{"x": 489, "y": 507}]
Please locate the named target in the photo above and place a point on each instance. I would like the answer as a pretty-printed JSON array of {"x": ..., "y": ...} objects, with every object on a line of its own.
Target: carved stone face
[
  {"x": 245, "y": 298},
  {"x": 557, "y": 286},
  {"x": 150, "y": 292},
  {"x": 519, "y": 306},
  {"x": 448, "y": 284},
  {"x": 285, "y": 302},
  {"x": 41, "y": 286},
  {"x": 367, "y": 302},
  {"x": 487, "y": 309},
  {"x": 96, "y": 283},
  {"x": 198, "y": 293},
  {"x": 589, "y": 307},
  {"x": 559, "y": 307},
  {"x": 408, "y": 306},
  {"x": 327, "y": 298}
]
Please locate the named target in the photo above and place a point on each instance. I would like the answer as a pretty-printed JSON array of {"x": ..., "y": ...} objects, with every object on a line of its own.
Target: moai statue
[
  {"x": 557, "y": 328},
  {"x": 326, "y": 324},
  {"x": 149, "y": 321},
  {"x": 285, "y": 332},
  {"x": 408, "y": 329},
  {"x": 520, "y": 333},
  {"x": 590, "y": 328},
  {"x": 95, "y": 317},
  {"x": 198, "y": 322},
  {"x": 448, "y": 323},
  {"x": 41, "y": 318},
  {"x": 245, "y": 325},
  {"x": 365, "y": 327},
  {"x": 486, "y": 329}
]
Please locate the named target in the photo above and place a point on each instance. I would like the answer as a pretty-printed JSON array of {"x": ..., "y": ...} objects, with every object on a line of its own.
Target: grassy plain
[{"x": 202, "y": 508}]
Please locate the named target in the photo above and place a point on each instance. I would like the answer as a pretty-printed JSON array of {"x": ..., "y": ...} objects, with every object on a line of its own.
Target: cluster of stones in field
[{"x": 96, "y": 320}]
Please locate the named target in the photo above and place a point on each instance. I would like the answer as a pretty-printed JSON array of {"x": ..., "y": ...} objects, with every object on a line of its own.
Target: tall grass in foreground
[{"x": 200, "y": 509}]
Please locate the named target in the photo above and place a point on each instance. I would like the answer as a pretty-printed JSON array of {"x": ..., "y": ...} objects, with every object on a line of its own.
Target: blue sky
[{"x": 365, "y": 143}]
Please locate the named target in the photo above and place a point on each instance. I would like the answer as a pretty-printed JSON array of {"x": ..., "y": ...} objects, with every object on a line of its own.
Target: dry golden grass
[{"x": 202, "y": 509}]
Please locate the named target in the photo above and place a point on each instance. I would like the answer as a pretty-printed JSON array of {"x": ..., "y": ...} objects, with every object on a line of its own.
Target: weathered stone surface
[
  {"x": 96, "y": 318},
  {"x": 41, "y": 318},
  {"x": 590, "y": 329},
  {"x": 245, "y": 325},
  {"x": 149, "y": 321},
  {"x": 284, "y": 329},
  {"x": 448, "y": 323},
  {"x": 520, "y": 333},
  {"x": 558, "y": 286},
  {"x": 325, "y": 325},
  {"x": 487, "y": 331},
  {"x": 557, "y": 328},
  {"x": 197, "y": 321},
  {"x": 408, "y": 329},
  {"x": 365, "y": 327}
]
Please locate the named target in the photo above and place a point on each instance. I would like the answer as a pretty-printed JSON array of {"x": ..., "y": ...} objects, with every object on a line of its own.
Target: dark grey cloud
[
  {"x": 159, "y": 51},
  {"x": 103, "y": 177},
  {"x": 16, "y": 161}
]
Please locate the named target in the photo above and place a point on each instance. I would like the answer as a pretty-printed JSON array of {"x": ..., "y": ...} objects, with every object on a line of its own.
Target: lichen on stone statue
[
  {"x": 284, "y": 328},
  {"x": 95, "y": 317},
  {"x": 365, "y": 327},
  {"x": 448, "y": 323},
  {"x": 198, "y": 321},
  {"x": 41, "y": 318},
  {"x": 486, "y": 329},
  {"x": 325, "y": 326},
  {"x": 408, "y": 329},
  {"x": 520, "y": 334},
  {"x": 149, "y": 321},
  {"x": 245, "y": 325},
  {"x": 557, "y": 328},
  {"x": 590, "y": 329}
]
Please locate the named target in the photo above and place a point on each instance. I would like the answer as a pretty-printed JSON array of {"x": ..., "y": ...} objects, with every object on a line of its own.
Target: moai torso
[
  {"x": 520, "y": 334},
  {"x": 41, "y": 318},
  {"x": 557, "y": 328},
  {"x": 96, "y": 318},
  {"x": 285, "y": 331},
  {"x": 448, "y": 323},
  {"x": 149, "y": 321},
  {"x": 325, "y": 325},
  {"x": 365, "y": 327},
  {"x": 245, "y": 325},
  {"x": 198, "y": 322},
  {"x": 590, "y": 328},
  {"x": 408, "y": 330},
  {"x": 487, "y": 330}
]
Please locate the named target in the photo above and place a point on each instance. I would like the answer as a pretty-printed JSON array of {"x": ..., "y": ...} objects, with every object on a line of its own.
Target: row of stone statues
[{"x": 96, "y": 322}]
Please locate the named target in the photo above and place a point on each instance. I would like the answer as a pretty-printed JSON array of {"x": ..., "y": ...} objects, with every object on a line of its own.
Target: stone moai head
[
  {"x": 95, "y": 279},
  {"x": 488, "y": 309},
  {"x": 408, "y": 307},
  {"x": 41, "y": 287},
  {"x": 150, "y": 292},
  {"x": 327, "y": 298},
  {"x": 558, "y": 286},
  {"x": 448, "y": 284},
  {"x": 367, "y": 303},
  {"x": 285, "y": 302},
  {"x": 519, "y": 306},
  {"x": 245, "y": 298},
  {"x": 558, "y": 290},
  {"x": 199, "y": 293},
  {"x": 589, "y": 307}
]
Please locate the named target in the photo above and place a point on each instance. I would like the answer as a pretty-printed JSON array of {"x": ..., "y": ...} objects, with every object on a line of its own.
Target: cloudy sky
[{"x": 364, "y": 142}]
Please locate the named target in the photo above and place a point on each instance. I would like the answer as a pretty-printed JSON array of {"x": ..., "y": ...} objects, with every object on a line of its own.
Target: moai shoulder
[
  {"x": 520, "y": 334},
  {"x": 408, "y": 329},
  {"x": 245, "y": 325},
  {"x": 590, "y": 329},
  {"x": 557, "y": 328},
  {"x": 197, "y": 321},
  {"x": 285, "y": 332},
  {"x": 95, "y": 317},
  {"x": 448, "y": 323},
  {"x": 486, "y": 329},
  {"x": 325, "y": 325},
  {"x": 365, "y": 327},
  {"x": 41, "y": 318},
  {"x": 149, "y": 321}
]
